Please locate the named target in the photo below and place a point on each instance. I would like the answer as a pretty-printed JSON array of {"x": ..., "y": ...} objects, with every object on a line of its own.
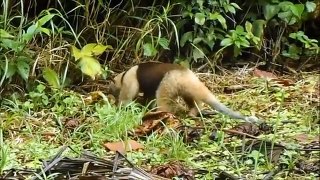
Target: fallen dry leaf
[
  {"x": 249, "y": 129},
  {"x": 72, "y": 123},
  {"x": 306, "y": 138},
  {"x": 190, "y": 134},
  {"x": 273, "y": 150},
  {"x": 155, "y": 122},
  {"x": 264, "y": 74},
  {"x": 308, "y": 167},
  {"x": 284, "y": 82},
  {"x": 173, "y": 169},
  {"x": 96, "y": 96},
  {"x": 122, "y": 147},
  {"x": 235, "y": 88}
]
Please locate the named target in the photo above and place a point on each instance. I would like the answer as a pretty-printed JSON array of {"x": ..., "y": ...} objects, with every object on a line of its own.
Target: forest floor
[{"x": 36, "y": 125}]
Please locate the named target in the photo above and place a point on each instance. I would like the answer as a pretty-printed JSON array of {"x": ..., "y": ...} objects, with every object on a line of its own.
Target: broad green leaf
[
  {"x": 197, "y": 40},
  {"x": 23, "y": 68},
  {"x": 222, "y": 21},
  {"x": 226, "y": 42},
  {"x": 200, "y": 18},
  {"x": 87, "y": 50},
  {"x": 12, "y": 69},
  {"x": 51, "y": 77},
  {"x": 292, "y": 21},
  {"x": 90, "y": 66},
  {"x": 213, "y": 16},
  {"x": 231, "y": 9},
  {"x": 293, "y": 52},
  {"x": 41, "y": 88},
  {"x": 293, "y": 35},
  {"x": 245, "y": 43},
  {"x": 248, "y": 26},
  {"x": 235, "y": 5},
  {"x": 188, "y": 36},
  {"x": 237, "y": 43},
  {"x": 311, "y": 6},
  {"x": 197, "y": 54},
  {"x": 164, "y": 43},
  {"x": 239, "y": 30},
  {"x": 5, "y": 34},
  {"x": 149, "y": 50},
  {"x": 12, "y": 44},
  {"x": 269, "y": 11},
  {"x": 285, "y": 16},
  {"x": 76, "y": 53},
  {"x": 99, "y": 49},
  {"x": 258, "y": 27},
  {"x": 297, "y": 10},
  {"x": 286, "y": 5},
  {"x": 31, "y": 31},
  {"x": 45, "y": 19},
  {"x": 45, "y": 30},
  {"x": 200, "y": 3}
]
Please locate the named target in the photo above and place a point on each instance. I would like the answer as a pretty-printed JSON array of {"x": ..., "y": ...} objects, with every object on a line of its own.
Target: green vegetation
[{"x": 49, "y": 51}]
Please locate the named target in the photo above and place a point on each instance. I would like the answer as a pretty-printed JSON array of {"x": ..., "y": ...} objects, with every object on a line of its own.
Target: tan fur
[
  {"x": 177, "y": 82},
  {"x": 129, "y": 88}
]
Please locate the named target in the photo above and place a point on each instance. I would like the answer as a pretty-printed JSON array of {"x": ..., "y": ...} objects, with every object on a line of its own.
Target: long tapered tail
[{"x": 216, "y": 104}]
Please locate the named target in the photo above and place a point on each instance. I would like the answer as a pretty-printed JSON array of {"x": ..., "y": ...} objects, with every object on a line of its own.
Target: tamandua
[{"x": 165, "y": 82}]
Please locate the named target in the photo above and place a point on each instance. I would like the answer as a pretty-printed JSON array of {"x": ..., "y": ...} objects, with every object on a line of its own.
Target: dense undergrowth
[{"x": 50, "y": 49}]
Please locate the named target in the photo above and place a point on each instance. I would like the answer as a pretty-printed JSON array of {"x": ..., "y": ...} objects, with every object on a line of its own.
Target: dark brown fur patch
[
  {"x": 150, "y": 75},
  {"x": 123, "y": 76}
]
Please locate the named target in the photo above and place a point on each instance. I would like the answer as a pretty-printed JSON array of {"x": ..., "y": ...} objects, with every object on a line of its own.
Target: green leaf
[
  {"x": 76, "y": 53},
  {"x": 99, "y": 49},
  {"x": 226, "y": 42},
  {"x": 51, "y": 77},
  {"x": 239, "y": 30},
  {"x": 164, "y": 43},
  {"x": 231, "y": 9},
  {"x": 94, "y": 49},
  {"x": 270, "y": 11},
  {"x": 297, "y": 10},
  {"x": 90, "y": 66},
  {"x": 293, "y": 35},
  {"x": 311, "y": 6},
  {"x": 188, "y": 36},
  {"x": 200, "y": 3},
  {"x": 258, "y": 27},
  {"x": 293, "y": 52},
  {"x": 41, "y": 88},
  {"x": 285, "y": 16},
  {"x": 31, "y": 31},
  {"x": 248, "y": 26},
  {"x": 200, "y": 18},
  {"x": 222, "y": 21},
  {"x": 197, "y": 54},
  {"x": 5, "y": 34},
  {"x": 12, "y": 44},
  {"x": 45, "y": 19},
  {"x": 235, "y": 5},
  {"x": 197, "y": 40},
  {"x": 149, "y": 50},
  {"x": 87, "y": 50},
  {"x": 23, "y": 68},
  {"x": 45, "y": 30},
  {"x": 12, "y": 69},
  {"x": 285, "y": 5}
]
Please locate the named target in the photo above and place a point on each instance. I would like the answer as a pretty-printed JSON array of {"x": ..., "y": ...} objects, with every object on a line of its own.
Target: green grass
[{"x": 36, "y": 130}]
